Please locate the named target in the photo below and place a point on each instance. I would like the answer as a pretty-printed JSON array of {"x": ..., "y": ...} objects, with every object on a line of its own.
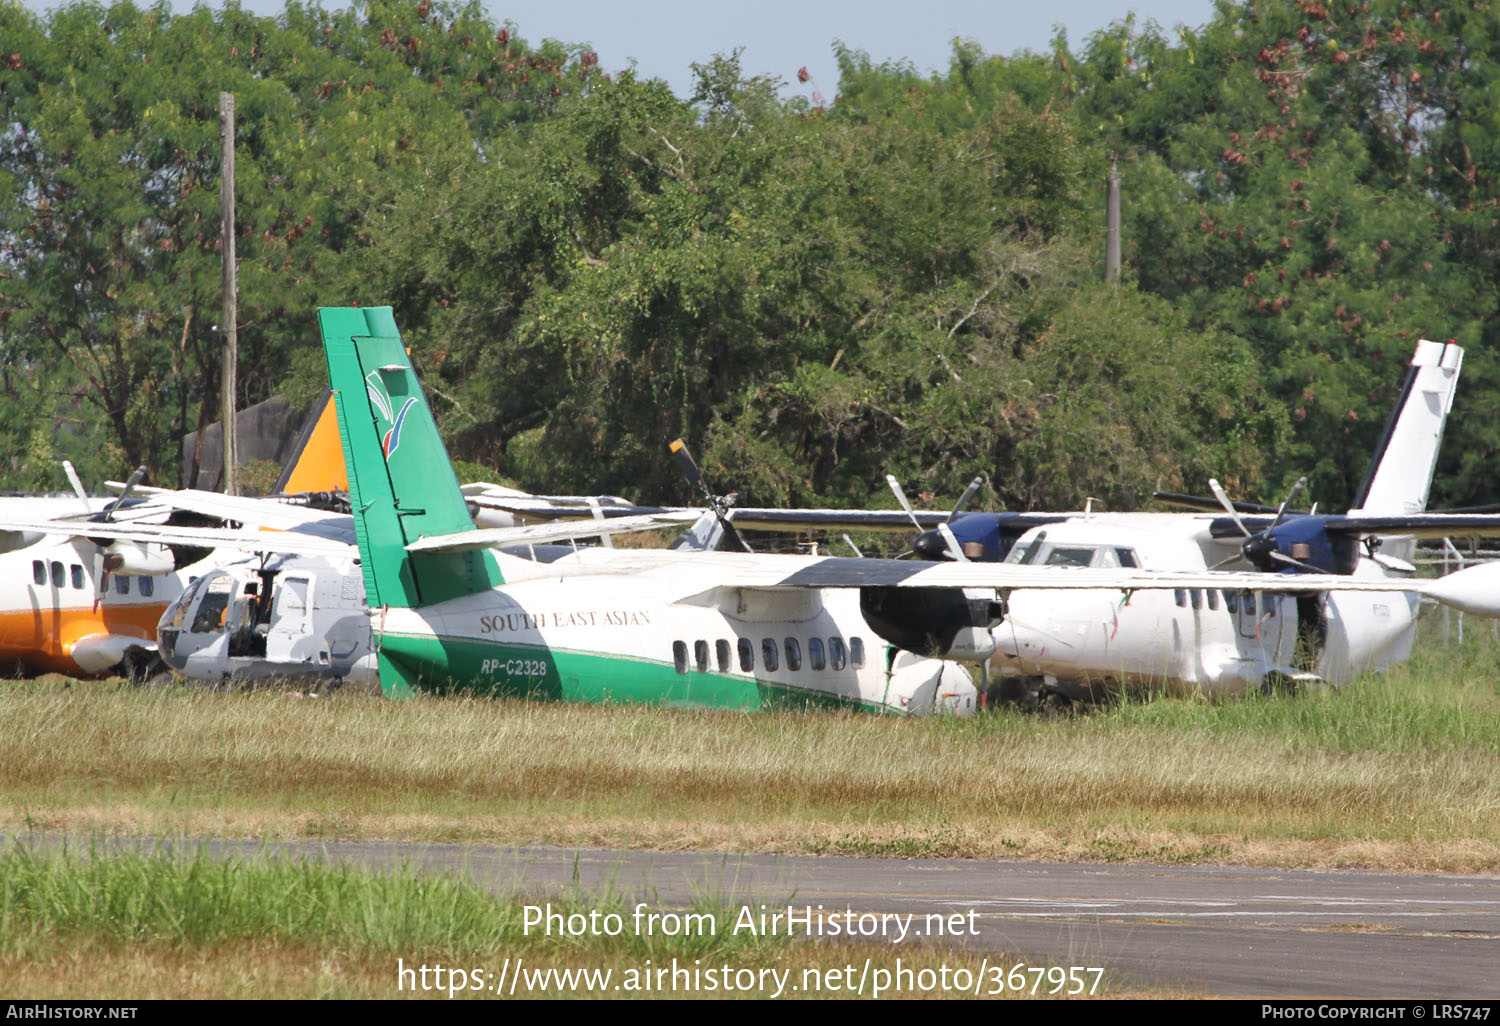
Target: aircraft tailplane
[
  {"x": 401, "y": 483},
  {"x": 317, "y": 464},
  {"x": 1400, "y": 474}
]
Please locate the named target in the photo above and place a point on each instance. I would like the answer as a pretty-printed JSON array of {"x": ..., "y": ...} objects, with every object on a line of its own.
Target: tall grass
[
  {"x": 140, "y": 898},
  {"x": 151, "y": 925},
  {"x": 1399, "y": 771}
]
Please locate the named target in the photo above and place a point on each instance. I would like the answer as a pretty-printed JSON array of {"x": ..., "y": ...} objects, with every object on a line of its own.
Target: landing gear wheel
[
  {"x": 1054, "y": 703},
  {"x": 1277, "y": 683},
  {"x": 145, "y": 669}
]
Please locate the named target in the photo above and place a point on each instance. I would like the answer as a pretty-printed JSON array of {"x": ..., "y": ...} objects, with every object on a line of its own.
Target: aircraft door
[
  {"x": 291, "y": 637},
  {"x": 1259, "y": 618}
]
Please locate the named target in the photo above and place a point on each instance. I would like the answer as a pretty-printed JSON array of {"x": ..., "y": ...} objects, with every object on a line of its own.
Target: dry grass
[{"x": 1399, "y": 772}]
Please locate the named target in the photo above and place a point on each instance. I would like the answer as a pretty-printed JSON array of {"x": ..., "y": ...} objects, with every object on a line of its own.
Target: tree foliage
[{"x": 904, "y": 280}]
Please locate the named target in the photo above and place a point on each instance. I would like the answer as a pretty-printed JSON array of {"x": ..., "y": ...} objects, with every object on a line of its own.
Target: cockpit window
[
  {"x": 216, "y": 595},
  {"x": 1041, "y": 552},
  {"x": 1070, "y": 555}
]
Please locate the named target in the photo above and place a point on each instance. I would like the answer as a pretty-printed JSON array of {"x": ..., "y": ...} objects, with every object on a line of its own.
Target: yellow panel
[{"x": 320, "y": 465}]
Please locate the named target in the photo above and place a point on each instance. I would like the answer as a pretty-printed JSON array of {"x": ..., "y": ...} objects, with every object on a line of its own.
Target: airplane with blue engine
[
  {"x": 449, "y": 605},
  {"x": 1227, "y": 640},
  {"x": 1053, "y": 647}
]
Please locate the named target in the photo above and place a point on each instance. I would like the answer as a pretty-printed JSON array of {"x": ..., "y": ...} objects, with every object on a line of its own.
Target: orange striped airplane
[{"x": 89, "y": 607}]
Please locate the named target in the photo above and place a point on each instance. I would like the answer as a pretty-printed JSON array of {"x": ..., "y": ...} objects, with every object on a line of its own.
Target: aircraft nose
[
  {"x": 166, "y": 643},
  {"x": 931, "y": 546}
]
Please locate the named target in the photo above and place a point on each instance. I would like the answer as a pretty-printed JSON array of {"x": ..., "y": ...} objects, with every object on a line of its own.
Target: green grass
[
  {"x": 1398, "y": 771},
  {"x": 151, "y": 925}
]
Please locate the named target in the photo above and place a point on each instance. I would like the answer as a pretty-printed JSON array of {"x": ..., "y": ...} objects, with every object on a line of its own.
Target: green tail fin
[{"x": 401, "y": 483}]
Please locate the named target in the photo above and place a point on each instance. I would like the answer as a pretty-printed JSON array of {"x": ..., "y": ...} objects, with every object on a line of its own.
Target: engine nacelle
[
  {"x": 128, "y": 557},
  {"x": 943, "y": 623}
]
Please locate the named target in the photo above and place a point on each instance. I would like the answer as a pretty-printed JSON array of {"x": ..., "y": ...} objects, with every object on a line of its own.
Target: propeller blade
[
  {"x": 77, "y": 485},
  {"x": 690, "y": 470},
  {"x": 1213, "y": 486},
  {"x": 890, "y": 479},
  {"x": 1296, "y": 488},
  {"x": 954, "y": 548},
  {"x": 1282, "y": 557},
  {"x": 135, "y": 479},
  {"x": 963, "y": 500},
  {"x": 598, "y": 514}
]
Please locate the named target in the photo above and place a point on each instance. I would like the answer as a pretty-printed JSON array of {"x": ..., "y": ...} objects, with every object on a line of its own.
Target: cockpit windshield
[
  {"x": 176, "y": 613},
  {"x": 1041, "y": 552},
  {"x": 217, "y": 591}
]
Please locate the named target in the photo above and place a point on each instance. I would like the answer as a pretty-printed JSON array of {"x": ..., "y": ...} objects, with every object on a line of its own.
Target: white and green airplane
[{"x": 498, "y": 611}]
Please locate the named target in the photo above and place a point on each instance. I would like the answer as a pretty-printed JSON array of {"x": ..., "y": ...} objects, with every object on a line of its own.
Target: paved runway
[{"x": 1211, "y": 930}]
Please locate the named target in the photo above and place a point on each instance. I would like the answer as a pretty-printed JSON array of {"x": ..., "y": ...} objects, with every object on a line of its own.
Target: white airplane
[
  {"x": 1225, "y": 639},
  {"x": 1081, "y": 645},
  {"x": 79, "y": 599},
  {"x": 447, "y": 609}
]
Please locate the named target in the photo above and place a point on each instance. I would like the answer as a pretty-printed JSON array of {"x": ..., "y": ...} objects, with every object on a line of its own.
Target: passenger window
[
  {"x": 836, "y": 653},
  {"x": 747, "y": 655},
  {"x": 1127, "y": 557},
  {"x": 77, "y": 576},
  {"x": 1213, "y": 599},
  {"x": 857, "y": 653},
  {"x": 57, "y": 574},
  {"x": 147, "y": 585},
  {"x": 793, "y": 654},
  {"x": 721, "y": 650},
  {"x": 38, "y": 571},
  {"x": 1267, "y": 605},
  {"x": 1195, "y": 596},
  {"x": 700, "y": 655},
  {"x": 1180, "y": 597},
  {"x": 768, "y": 654},
  {"x": 1232, "y": 601},
  {"x": 815, "y": 653},
  {"x": 122, "y": 584},
  {"x": 679, "y": 656}
]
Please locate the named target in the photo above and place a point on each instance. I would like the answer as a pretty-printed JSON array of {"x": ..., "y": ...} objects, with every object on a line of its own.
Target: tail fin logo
[{"x": 390, "y": 438}]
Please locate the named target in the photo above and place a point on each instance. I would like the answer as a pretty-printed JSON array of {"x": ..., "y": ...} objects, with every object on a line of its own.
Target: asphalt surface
[{"x": 1208, "y": 930}]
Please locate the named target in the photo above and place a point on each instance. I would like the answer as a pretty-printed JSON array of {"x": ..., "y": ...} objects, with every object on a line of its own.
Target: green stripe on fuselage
[{"x": 472, "y": 666}]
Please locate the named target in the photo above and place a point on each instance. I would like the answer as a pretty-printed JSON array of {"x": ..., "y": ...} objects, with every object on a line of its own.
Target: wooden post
[
  {"x": 230, "y": 286},
  {"x": 1112, "y": 227}
]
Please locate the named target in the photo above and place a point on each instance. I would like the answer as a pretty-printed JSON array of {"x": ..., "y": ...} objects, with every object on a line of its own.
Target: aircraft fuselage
[{"x": 1087, "y": 643}]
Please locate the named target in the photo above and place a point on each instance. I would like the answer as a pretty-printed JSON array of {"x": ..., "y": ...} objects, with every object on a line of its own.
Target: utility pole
[
  {"x": 230, "y": 285},
  {"x": 1112, "y": 227}
]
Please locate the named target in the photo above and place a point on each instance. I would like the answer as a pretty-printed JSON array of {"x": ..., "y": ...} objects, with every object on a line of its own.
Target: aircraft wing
[
  {"x": 273, "y": 514},
  {"x": 756, "y": 519},
  {"x": 274, "y": 541},
  {"x": 1476, "y": 589},
  {"x": 759, "y": 519},
  {"x": 750, "y": 518},
  {"x": 1419, "y": 525},
  {"x": 484, "y": 493},
  {"x": 1422, "y": 525},
  {"x": 538, "y": 534}
]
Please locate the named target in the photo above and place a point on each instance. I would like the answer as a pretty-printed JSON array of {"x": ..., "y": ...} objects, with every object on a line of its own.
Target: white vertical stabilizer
[{"x": 1400, "y": 475}]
